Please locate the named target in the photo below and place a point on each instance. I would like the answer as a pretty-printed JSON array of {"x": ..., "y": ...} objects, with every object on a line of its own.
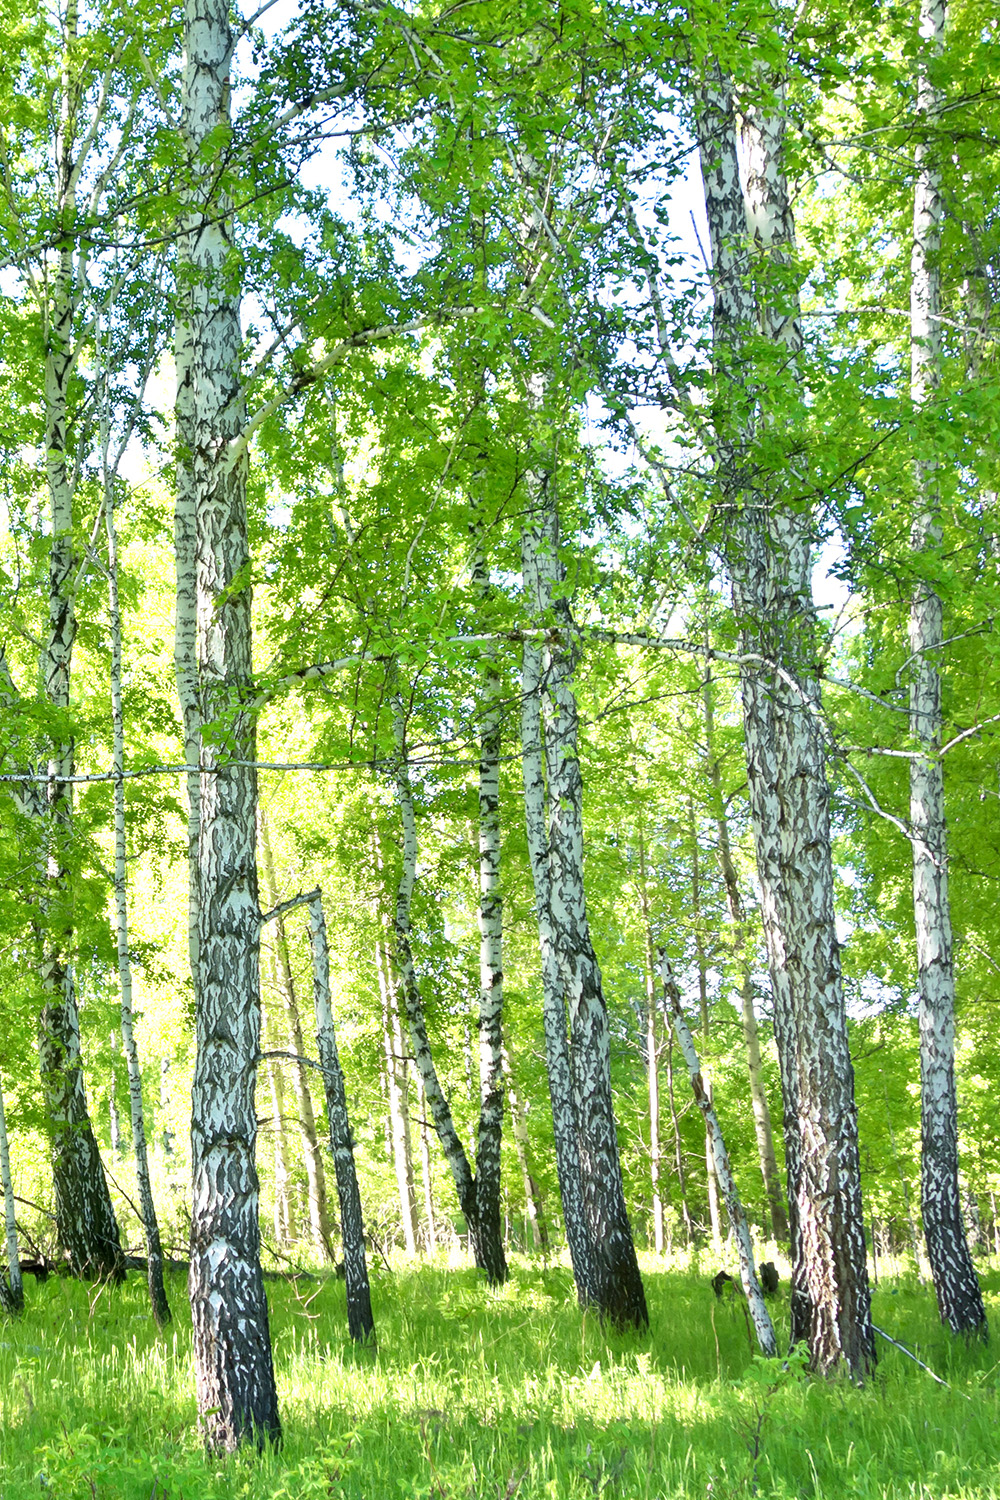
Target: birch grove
[{"x": 568, "y": 584}]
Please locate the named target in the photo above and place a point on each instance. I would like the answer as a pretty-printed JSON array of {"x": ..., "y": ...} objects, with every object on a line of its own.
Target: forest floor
[{"x": 496, "y": 1395}]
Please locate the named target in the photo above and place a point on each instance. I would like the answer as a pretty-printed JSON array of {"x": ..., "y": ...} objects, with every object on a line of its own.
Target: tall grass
[{"x": 499, "y": 1394}]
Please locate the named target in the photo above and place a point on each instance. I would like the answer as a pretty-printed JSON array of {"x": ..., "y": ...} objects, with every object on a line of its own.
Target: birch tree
[
  {"x": 720, "y": 1160},
  {"x": 11, "y": 1288},
  {"x": 150, "y": 1225},
  {"x": 359, "y": 1305},
  {"x": 769, "y": 561},
  {"x": 484, "y": 1231},
  {"x": 956, "y": 1284},
  {"x": 237, "y": 1398},
  {"x": 609, "y": 1268}
]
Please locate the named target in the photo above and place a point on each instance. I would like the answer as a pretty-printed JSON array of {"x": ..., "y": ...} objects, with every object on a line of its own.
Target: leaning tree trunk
[
  {"x": 959, "y": 1298},
  {"x": 360, "y": 1322},
  {"x": 11, "y": 1288},
  {"x": 720, "y": 1158},
  {"x": 151, "y": 1229},
  {"x": 489, "y": 1256},
  {"x": 769, "y": 560},
  {"x": 618, "y": 1292},
  {"x": 237, "y": 1397}
]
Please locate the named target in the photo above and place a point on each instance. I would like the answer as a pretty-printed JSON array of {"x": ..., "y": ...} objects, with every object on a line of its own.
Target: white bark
[
  {"x": 427, "y": 1169},
  {"x": 397, "y": 1086},
  {"x": 360, "y": 1322},
  {"x": 618, "y": 1291},
  {"x": 769, "y": 560},
  {"x": 652, "y": 1052},
  {"x": 956, "y": 1284},
  {"x": 87, "y": 1228},
  {"x": 151, "y": 1229},
  {"x": 490, "y": 918},
  {"x": 741, "y": 1230},
  {"x": 237, "y": 1399},
  {"x": 714, "y": 1208},
  {"x": 553, "y": 1000},
  {"x": 11, "y": 1290}
]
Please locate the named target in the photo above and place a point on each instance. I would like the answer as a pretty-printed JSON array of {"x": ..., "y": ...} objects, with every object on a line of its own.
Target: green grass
[{"x": 506, "y": 1394}]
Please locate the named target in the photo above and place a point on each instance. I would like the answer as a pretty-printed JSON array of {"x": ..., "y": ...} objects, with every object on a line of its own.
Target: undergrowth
[{"x": 495, "y": 1395}]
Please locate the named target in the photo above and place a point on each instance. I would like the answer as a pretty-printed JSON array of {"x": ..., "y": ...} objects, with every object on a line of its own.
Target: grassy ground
[{"x": 494, "y": 1395}]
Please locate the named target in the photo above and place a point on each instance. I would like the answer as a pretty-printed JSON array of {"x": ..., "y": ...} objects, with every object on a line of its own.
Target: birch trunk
[
  {"x": 11, "y": 1289},
  {"x": 319, "y": 1214},
  {"x": 678, "y": 1145},
  {"x": 714, "y": 1211},
  {"x": 360, "y": 1322},
  {"x": 397, "y": 1085},
  {"x": 652, "y": 1053},
  {"x": 150, "y": 1225},
  {"x": 284, "y": 1208},
  {"x": 769, "y": 561},
  {"x": 426, "y": 1169},
  {"x": 237, "y": 1398},
  {"x": 486, "y": 1241},
  {"x": 751, "y": 1035},
  {"x": 86, "y": 1223},
  {"x": 956, "y": 1284},
  {"x": 618, "y": 1292},
  {"x": 490, "y": 918},
  {"x": 553, "y": 1000},
  {"x": 741, "y": 1230}
]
